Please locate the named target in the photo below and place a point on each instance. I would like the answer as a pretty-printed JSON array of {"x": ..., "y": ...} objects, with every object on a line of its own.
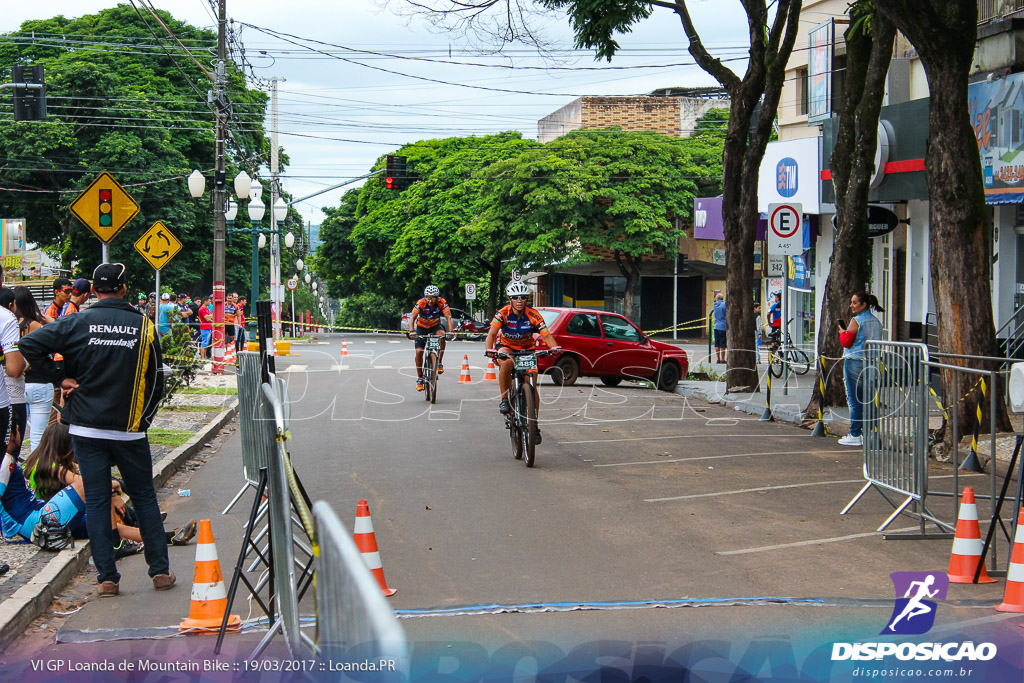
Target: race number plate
[
  {"x": 526, "y": 362},
  {"x": 434, "y": 344}
]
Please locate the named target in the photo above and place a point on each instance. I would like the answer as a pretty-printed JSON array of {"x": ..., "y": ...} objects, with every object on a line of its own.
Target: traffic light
[
  {"x": 29, "y": 102},
  {"x": 395, "y": 173},
  {"x": 106, "y": 215}
]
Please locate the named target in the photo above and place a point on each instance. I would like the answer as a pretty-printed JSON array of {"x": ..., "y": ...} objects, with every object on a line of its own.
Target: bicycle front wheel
[
  {"x": 433, "y": 379},
  {"x": 528, "y": 423},
  {"x": 514, "y": 429},
  {"x": 775, "y": 361},
  {"x": 429, "y": 378},
  {"x": 799, "y": 361}
]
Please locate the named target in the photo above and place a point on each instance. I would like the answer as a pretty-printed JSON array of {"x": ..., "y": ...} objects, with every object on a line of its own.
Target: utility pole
[
  {"x": 276, "y": 296},
  {"x": 219, "y": 190}
]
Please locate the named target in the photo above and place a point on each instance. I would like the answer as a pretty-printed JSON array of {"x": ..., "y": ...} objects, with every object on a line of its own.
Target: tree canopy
[{"x": 118, "y": 101}]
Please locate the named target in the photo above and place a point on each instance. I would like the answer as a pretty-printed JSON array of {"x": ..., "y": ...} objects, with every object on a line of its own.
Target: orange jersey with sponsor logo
[
  {"x": 430, "y": 314},
  {"x": 516, "y": 331}
]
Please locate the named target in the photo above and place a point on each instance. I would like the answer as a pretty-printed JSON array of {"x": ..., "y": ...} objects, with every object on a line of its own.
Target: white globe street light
[
  {"x": 231, "y": 212},
  {"x": 256, "y": 190},
  {"x": 243, "y": 184},
  {"x": 299, "y": 265},
  {"x": 196, "y": 184},
  {"x": 308, "y": 278},
  {"x": 256, "y": 210},
  {"x": 280, "y": 210},
  {"x": 289, "y": 240},
  {"x": 262, "y": 242}
]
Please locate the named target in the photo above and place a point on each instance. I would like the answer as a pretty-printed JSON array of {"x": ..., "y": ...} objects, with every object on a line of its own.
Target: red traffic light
[
  {"x": 389, "y": 183},
  {"x": 104, "y": 195}
]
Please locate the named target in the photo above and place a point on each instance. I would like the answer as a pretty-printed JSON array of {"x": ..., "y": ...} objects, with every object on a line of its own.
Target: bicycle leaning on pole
[
  {"x": 783, "y": 354},
  {"x": 521, "y": 419}
]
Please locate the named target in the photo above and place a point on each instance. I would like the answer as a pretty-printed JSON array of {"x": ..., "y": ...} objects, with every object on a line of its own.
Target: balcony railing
[{"x": 996, "y": 9}]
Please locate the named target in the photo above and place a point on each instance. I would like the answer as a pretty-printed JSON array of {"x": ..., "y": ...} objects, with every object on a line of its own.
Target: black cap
[
  {"x": 80, "y": 287},
  {"x": 183, "y": 295},
  {"x": 108, "y": 277}
]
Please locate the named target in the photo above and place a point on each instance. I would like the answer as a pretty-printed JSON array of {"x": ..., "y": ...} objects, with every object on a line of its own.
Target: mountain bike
[
  {"x": 430, "y": 356},
  {"x": 786, "y": 354},
  {"x": 521, "y": 420}
]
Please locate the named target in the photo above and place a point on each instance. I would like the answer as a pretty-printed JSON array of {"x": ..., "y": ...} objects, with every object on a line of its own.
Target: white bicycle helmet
[
  {"x": 432, "y": 290},
  {"x": 516, "y": 288}
]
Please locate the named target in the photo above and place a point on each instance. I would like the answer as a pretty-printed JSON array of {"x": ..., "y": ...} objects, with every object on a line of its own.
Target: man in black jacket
[{"x": 113, "y": 388}]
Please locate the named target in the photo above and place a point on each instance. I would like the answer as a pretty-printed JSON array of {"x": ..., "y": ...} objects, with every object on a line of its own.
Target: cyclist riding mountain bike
[
  {"x": 425, "y": 320},
  {"x": 513, "y": 328}
]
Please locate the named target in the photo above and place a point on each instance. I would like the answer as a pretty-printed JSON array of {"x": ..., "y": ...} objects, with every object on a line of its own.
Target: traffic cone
[
  {"x": 1013, "y": 595},
  {"x": 490, "y": 376},
  {"x": 344, "y": 347},
  {"x": 362, "y": 534},
  {"x": 966, "y": 555},
  {"x": 209, "y": 599},
  {"x": 464, "y": 374}
]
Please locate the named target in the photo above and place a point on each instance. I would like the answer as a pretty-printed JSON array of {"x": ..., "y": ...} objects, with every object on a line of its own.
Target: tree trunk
[
  {"x": 630, "y": 268},
  {"x": 958, "y": 228},
  {"x": 867, "y": 63},
  {"x": 746, "y": 137},
  {"x": 497, "y": 290}
]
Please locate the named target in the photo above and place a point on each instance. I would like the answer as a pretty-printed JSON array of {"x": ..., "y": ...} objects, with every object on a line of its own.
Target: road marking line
[
  {"x": 761, "y": 488},
  {"x": 678, "y": 436},
  {"x": 713, "y": 457},
  {"x": 369, "y": 342},
  {"x": 834, "y": 539},
  {"x": 394, "y": 342},
  {"x": 296, "y": 368}
]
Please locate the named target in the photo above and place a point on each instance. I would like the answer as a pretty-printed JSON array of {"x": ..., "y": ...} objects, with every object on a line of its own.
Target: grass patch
[
  {"x": 193, "y": 409},
  {"x": 168, "y": 437},
  {"x": 222, "y": 391},
  {"x": 704, "y": 373}
]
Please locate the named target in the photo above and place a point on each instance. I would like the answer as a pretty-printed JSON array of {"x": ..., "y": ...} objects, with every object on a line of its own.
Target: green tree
[
  {"x": 753, "y": 101},
  {"x": 119, "y": 102},
  {"x": 591, "y": 190}
]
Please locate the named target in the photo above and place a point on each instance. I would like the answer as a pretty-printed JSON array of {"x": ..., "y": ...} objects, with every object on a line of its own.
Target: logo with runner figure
[{"x": 914, "y": 613}]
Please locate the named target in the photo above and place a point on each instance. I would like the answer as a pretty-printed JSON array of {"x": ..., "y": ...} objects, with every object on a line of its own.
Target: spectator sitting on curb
[
  {"x": 52, "y": 466},
  {"x": 109, "y": 411}
]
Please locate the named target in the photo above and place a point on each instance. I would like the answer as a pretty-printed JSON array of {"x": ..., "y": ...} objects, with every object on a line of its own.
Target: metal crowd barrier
[
  {"x": 895, "y": 393},
  {"x": 258, "y": 445},
  {"x": 354, "y": 621}
]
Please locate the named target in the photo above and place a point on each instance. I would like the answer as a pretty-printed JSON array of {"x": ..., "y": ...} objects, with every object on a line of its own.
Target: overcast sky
[{"x": 323, "y": 97}]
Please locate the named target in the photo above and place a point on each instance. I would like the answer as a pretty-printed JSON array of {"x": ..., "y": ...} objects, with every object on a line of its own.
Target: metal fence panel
[
  {"x": 258, "y": 445},
  {"x": 354, "y": 621},
  {"x": 896, "y": 417}
]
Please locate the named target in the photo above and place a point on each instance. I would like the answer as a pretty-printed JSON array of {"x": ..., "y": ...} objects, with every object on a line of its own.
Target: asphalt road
[{"x": 697, "y": 522}]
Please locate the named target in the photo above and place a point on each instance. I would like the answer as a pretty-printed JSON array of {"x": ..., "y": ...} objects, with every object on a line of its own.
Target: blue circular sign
[{"x": 786, "y": 177}]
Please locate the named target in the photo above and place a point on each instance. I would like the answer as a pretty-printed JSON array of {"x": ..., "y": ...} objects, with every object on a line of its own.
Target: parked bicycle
[
  {"x": 430, "y": 356},
  {"x": 786, "y": 354},
  {"x": 521, "y": 420}
]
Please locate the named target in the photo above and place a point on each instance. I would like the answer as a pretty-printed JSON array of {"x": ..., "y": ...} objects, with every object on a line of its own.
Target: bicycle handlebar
[
  {"x": 416, "y": 337},
  {"x": 503, "y": 355}
]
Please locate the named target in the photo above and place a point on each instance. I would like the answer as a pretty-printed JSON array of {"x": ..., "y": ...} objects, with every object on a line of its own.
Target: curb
[
  {"x": 791, "y": 413},
  {"x": 31, "y": 600}
]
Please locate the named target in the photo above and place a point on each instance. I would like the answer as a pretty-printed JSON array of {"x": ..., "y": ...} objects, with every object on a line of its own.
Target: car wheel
[
  {"x": 668, "y": 376},
  {"x": 611, "y": 381},
  {"x": 565, "y": 371}
]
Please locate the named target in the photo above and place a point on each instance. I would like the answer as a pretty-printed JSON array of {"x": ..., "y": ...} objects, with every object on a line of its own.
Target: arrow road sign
[
  {"x": 105, "y": 207},
  {"x": 785, "y": 236},
  {"x": 158, "y": 245}
]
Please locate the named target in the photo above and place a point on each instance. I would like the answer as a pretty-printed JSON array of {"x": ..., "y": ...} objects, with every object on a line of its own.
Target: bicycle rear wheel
[
  {"x": 433, "y": 378},
  {"x": 528, "y": 422},
  {"x": 799, "y": 361}
]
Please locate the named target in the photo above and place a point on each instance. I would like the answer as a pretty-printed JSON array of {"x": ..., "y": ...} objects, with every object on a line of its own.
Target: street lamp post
[{"x": 298, "y": 269}]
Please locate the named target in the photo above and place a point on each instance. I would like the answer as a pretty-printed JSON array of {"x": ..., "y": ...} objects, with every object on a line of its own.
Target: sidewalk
[{"x": 36, "y": 577}]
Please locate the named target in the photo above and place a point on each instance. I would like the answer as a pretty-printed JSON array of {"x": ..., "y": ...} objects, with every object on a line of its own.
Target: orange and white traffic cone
[
  {"x": 366, "y": 542},
  {"x": 464, "y": 377},
  {"x": 1013, "y": 595},
  {"x": 967, "y": 545},
  {"x": 344, "y": 347},
  {"x": 490, "y": 376},
  {"x": 209, "y": 599}
]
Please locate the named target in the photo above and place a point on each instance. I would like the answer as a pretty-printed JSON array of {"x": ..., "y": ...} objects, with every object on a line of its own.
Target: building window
[
  {"x": 801, "y": 92},
  {"x": 838, "y": 81}
]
